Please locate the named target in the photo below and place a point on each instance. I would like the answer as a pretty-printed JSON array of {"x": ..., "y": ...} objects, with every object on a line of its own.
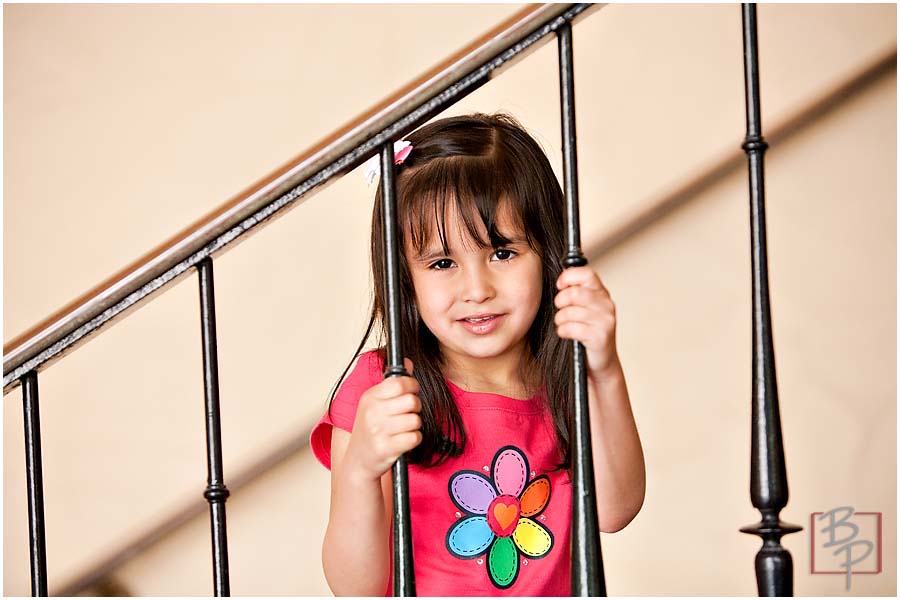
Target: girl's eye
[
  {"x": 504, "y": 253},
  {"x": 440, "y": 265}
]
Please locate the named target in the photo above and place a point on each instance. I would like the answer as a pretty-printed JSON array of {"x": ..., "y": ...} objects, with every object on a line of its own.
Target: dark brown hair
[{"x": 479, "y": 163}]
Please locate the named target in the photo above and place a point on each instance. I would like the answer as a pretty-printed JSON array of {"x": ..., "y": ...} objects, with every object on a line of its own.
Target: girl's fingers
[
  {"x": 589, "y": 331},
  {"x": 574, "y": 330},
  {"x": 406, "y": 403},
  {"x": 574, "y": 313},
  {"x": 570, "y": 296},
  {"x": 404, "y": 442},
  {"x": 583, "y": 276},
  {"x": 580, "y": 296},
  {"x": 395, "y": 386},
  {"x": 403, "y": 424},
  {"x": 574, "y": 276},
  {"x": 397, "y": 445}
]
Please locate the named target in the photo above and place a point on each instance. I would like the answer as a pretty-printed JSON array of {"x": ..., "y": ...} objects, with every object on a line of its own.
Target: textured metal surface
[
  {"x": 404, "y": 575},
  {"x": 768, "y": 475},
  {"x": 587, "y": 561},
  {"x": 335, "y": 155},
  {"x": 35, "y": 482},
  {"x": 216, "y": 493}
]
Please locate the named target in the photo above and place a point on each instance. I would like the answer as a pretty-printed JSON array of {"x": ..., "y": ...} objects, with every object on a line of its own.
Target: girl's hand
[
  {"x": 386, "y": 426},
  {"x": 587, "y": 314}
]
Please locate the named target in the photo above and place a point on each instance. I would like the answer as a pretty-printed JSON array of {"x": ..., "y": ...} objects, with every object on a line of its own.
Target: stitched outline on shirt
[
  {"x": 522, "y": 473},
  {"x": 454, "y": 531},
  {"x": 520, "y": 478},
  {"x": 538, "y": 481},
  {"x": 458, "y": 478},
  {"x": 514, "y": 570},
  {"x": 545, "y": 534}
]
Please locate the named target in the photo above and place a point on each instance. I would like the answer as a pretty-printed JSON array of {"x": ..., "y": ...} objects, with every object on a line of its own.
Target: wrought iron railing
[
  {"x": 375, "y": 131},
  {"x": 768, "y": 474},
  {"x": 101, "y": 575}
]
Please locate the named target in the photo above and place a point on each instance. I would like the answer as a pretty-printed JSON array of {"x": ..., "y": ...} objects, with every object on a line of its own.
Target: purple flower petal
[{"x": 472, "y": 492}]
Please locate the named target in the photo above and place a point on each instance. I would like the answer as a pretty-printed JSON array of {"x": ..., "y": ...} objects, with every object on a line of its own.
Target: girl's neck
[{"x": 503, "y": 375}]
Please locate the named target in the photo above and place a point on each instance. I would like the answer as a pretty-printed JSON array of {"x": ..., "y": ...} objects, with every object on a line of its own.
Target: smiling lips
[{"x": 481, "y": 324}]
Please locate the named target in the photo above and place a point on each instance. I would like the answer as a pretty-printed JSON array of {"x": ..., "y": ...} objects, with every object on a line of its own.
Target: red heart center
[{"x": 503, "y": 515}]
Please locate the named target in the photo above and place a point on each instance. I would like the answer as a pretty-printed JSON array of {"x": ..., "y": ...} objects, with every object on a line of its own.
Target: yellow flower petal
[{"x": 532, "y": 539}]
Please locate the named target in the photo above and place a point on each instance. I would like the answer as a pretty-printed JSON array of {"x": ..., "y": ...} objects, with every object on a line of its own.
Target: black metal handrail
[
  {"x": 273, "y": 196},
  {"x": 195, "y": 247},
  {"x": 655, "y": 211}
]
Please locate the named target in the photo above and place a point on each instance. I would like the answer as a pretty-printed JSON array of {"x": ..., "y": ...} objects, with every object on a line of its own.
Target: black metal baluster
[
  {"x": 34, "y": 474},
  {"x": 216, "y": 493},
  {"x": 587, "y": 560},
  {"x": 404, "y": 583},
  {"x": 404, "y": 576},
  {"x": 768, "y": 476}
]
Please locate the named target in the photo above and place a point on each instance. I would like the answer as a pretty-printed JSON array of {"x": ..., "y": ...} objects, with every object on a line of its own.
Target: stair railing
[
  {"x": 375, "y": 130},
  {"x": 196, "y": 246},
  {"x": 768, "y": 474}
]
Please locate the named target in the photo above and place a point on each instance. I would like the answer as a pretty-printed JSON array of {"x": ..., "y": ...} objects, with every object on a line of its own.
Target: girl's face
[{"x": 478, "y": 302}]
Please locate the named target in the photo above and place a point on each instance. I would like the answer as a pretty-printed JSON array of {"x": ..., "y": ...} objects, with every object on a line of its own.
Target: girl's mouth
[{"x": 481, "y": 325}]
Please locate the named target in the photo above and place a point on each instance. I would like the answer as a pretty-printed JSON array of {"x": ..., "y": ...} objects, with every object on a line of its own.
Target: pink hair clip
[{"x": 373, "y": 165}]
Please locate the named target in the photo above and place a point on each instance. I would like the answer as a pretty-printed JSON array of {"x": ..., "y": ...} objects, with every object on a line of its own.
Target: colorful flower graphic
[{"x": 498, "y": 515}]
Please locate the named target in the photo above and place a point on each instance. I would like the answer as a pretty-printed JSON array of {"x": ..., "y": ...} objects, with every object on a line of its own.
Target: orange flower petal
[{"x": 535, "y": 496}]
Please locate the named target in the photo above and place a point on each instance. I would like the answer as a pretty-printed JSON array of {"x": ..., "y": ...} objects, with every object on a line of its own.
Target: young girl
[{"x": 487, "y": 317}]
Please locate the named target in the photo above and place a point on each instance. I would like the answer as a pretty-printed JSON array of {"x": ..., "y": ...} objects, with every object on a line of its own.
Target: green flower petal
[{"x": 503, "y": 563}]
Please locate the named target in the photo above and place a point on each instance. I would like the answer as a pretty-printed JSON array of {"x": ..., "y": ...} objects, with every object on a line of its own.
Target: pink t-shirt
[{"x": 494, "y": 521}]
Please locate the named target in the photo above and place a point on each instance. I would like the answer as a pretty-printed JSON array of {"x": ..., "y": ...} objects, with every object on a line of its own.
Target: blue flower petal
[{"x": 470, "y": 537}]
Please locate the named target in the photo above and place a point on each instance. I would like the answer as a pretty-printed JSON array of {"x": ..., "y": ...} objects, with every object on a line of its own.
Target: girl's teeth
[{"x": 478, "y": 320}]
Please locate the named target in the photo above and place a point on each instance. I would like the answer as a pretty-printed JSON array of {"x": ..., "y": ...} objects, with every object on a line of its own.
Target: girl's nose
[{"x": 477, "y": 285}]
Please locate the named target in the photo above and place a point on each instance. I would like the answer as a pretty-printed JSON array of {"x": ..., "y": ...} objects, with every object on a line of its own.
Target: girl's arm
[
  {"x": 619, "y": 473},
  {"x": 587, "y": 314},
  {"x": 355, "y": 553}
]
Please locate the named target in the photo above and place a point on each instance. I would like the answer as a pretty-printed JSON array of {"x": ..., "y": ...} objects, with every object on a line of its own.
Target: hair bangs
[{"x": 471, "y": 187}]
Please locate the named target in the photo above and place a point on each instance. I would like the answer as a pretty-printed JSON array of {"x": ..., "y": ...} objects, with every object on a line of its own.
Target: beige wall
[{"x": 124, "y": 123}]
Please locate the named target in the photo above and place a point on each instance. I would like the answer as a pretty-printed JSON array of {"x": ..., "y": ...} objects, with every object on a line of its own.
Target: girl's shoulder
[
  {"x": 341, "y": 412},
  {"x": 367, "y": 371},
  {"x": 369, "y": 367}
]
